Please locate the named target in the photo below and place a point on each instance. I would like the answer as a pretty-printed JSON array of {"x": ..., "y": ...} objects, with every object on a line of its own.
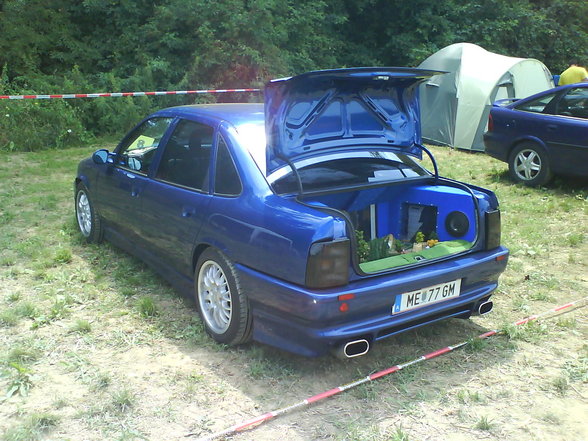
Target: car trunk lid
[{"x": 343, "y": 109}]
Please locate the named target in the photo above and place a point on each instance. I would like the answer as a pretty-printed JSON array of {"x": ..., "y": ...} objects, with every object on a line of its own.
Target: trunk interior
[{"x": 406, "y": 223}]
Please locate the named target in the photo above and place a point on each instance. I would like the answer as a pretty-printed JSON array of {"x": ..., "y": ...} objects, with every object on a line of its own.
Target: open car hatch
[{"x": 343, "y": 109}]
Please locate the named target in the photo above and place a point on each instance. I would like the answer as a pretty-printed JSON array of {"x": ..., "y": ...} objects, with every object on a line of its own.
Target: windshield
[{"x": 347, "y": 170}]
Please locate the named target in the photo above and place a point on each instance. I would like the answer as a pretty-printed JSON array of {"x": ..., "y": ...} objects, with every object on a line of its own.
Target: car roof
[{"x": 234, "y": 113}]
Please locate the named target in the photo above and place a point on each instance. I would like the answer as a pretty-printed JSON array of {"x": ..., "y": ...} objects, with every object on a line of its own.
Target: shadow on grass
[
  {"x": 565, "y": 185},
  {"x": 132, "y": 279},
  {"x": 255, "y": 362}
]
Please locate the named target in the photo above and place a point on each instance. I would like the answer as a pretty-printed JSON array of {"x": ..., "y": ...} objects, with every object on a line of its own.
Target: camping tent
[{"x": 455, "y": 106}]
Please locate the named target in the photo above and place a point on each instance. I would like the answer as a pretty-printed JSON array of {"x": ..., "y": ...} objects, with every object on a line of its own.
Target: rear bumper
[
  {"x": 496, "y": 146},
  {"x": 309, "y": 322}
]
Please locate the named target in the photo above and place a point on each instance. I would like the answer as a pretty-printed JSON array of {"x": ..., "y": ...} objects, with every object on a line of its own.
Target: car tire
[
  {"x": 87, "y": 218},
  {"x": 222, "y": 305},
  {"x": 528, "y": 163}
]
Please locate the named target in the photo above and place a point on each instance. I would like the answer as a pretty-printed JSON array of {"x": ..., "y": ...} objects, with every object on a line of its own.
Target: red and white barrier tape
[
  {"x": 121, "y": 94},
  {"x": 269, "y": 415}
]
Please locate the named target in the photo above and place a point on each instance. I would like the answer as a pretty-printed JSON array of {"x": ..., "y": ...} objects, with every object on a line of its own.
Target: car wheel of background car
[
  {"x": 224, "y": 308},
  {"x": 529, "y": 164},
  {"x": 88, "y": 220}
]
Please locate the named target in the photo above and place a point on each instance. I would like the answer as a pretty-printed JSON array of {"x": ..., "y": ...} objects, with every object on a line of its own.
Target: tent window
[{"x": 505, "y": 91}]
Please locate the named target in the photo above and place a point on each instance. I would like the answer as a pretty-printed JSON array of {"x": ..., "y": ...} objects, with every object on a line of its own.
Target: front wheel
[
  {"x": 224, "y": 308},
  {"x": 88, "y": 220},
  {"x": 529, "y": 164}
]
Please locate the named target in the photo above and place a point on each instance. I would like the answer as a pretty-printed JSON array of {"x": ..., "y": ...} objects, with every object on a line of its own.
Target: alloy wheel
[
  {"x": 527, "y": 164},
  {"x": 214, "y": 296}
]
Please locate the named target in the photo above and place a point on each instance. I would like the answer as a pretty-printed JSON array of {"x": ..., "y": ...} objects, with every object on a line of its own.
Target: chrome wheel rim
[
  {"x": 84, "y": 214},
  {"x": 214, "y": 297},
  {"x": 527, "y": 164}
]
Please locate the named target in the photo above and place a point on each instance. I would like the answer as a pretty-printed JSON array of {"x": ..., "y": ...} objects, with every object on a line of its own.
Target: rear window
[
  {"x": 350, "y": 172},
  {"x": 536, "y": 106}
]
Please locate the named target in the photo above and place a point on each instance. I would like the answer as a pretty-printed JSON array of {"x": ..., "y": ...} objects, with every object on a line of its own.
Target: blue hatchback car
[
  {"x": 305, "y": 223},
  {"x": 542, "y": 135}
]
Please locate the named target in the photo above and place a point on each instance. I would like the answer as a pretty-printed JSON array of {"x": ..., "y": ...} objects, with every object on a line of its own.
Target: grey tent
[{"x": 455, "y": 106}]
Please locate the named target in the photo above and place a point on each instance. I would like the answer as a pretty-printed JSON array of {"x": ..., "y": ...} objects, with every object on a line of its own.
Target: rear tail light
[
  {"x": 328, "y": 264},
  {"x": 490, "y": 123},
  {"x": 492, "y": 229}
]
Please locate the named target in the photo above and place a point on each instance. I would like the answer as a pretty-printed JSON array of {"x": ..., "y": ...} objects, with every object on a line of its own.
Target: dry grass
[{"x": 109, "y": 351}]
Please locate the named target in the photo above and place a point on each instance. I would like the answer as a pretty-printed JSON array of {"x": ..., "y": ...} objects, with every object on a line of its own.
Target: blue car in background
[
  {"x": 306, "y": 222},
  {"x": 542, "y": 135}
]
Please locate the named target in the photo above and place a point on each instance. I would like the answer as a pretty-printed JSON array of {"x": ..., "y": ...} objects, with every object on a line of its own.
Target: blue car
[
  {"x": 306, "y": 222},
  {"x": 542, "y": 135}
]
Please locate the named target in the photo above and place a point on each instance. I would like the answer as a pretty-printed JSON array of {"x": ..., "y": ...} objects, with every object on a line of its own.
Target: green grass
[
  {"x": 533, "y": 331},
  {"x": 467, "y": 397},
  {"x": 23, "y": 353},
  {"x": 476, "y": 344},
  {"x": 362, "y": 432},
  {"x": 485, "y": 424},
  {"x": 101, "y": 381},
  {"x": 147, "y": 307},
  {"x": 33, "y": 428},
  {"x": 264, "y": 364},
  {"x": 19, "y": 379},
  {"x": 81, "y": 326},
  {"x": 123, "y": 400},
  {"x": 13, "y": 297},
  {"x": 561, "y": 385}
]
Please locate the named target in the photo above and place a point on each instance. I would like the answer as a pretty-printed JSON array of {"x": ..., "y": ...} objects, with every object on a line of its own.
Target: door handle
[
  {"x": 551, "y": 127},
  {"x": 129, "y": 175}
]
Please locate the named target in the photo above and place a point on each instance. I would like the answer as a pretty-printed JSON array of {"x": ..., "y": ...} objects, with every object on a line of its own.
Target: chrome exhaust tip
[
  {"x": 485, "y": 307},
  {"x": 354, "y": 348}
]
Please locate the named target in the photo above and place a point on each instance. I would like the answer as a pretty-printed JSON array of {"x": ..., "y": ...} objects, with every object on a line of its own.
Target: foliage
[
  {"x": 19, "y": 380},
  {"x": 58, "y": 46},
  {"x": 363, "y": 249},
  {"x": 379, "y": 248}
]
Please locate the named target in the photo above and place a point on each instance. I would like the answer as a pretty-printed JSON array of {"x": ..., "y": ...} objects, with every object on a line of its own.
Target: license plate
[{"x": 426, "y": 296}]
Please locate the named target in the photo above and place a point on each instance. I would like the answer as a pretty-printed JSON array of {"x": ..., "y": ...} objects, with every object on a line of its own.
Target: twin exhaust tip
[
  {"x": 357, "y": 348},
  {"x": 351, "y": 349}
]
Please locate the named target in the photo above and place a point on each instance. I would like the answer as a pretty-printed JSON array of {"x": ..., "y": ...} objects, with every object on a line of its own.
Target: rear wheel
[
  {"x": 224, "y": 308},
  {"x": 88, "y": 220},
  {"x": 529, "y": 164}
]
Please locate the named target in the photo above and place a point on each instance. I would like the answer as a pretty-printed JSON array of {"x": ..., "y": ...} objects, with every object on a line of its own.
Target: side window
[
  {"x": 186, "y": 158},
  {"x": 574, "y": 103},
  {"x": 226, "y": 180},
  {"x": 139, "y": 149},
  {"x": 536, "y": 106}
]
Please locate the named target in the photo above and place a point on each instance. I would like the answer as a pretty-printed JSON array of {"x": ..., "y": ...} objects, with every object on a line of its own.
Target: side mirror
[{"x": 100, "y": 156}]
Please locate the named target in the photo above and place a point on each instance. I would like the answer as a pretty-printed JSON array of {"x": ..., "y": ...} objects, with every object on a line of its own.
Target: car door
[
  {"x": 175, "y": 202},
  {"x": 566, "y": 132},
  {"x": 123, "y": 181}
]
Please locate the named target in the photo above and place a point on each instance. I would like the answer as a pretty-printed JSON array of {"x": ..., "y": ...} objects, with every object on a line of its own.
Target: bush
[{"x": 29, "y": 125}]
